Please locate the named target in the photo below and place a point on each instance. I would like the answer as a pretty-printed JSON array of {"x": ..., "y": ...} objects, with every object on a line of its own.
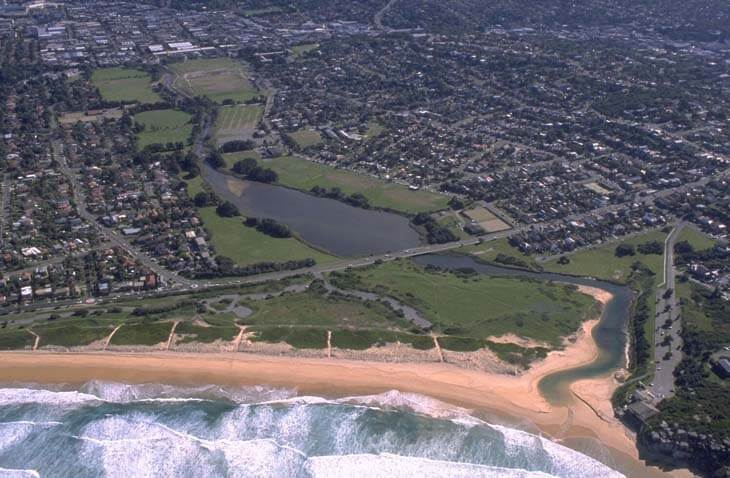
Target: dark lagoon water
[
  {"x": 327, "y": 224},
  {"x": 609, "y": 334}
]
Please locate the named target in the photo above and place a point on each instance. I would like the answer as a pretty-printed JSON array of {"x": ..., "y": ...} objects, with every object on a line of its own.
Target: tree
[
  {"x": 623, "y": 250},
  {"x": 245, "y": 166},
  {"x": 237, "y": 145},
  {"x": 204, "y": 199},
  {"x": 227, "y": 209},
  {"x": 651, "y": 247},
  {"x": 264, "y": 175},
  {"x": 683, "y": 247},
  {"x": 215, "y": 159},
  {"x": 456, "y": 203},
  {"x": 563, "y": 260}
]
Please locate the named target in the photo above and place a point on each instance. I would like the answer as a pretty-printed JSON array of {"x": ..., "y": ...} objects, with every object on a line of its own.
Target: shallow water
[
  {"x": 609, "y": 334},
  {"x": 118, "y": 430},
  {"x": 331, "y": 225}
]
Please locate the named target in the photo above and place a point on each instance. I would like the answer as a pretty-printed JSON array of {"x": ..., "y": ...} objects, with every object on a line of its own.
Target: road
[
  {"x": 378, "y": 19},
  {"x": 667, "y": 337},
  {"x": 4, "y": 203}
]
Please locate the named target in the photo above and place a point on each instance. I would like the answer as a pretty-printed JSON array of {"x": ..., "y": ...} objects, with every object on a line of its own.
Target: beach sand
[{"x": 514, "y": 397}]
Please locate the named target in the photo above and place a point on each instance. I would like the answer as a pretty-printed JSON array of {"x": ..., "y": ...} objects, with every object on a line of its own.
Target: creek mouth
[
  {"x": 326, "y": 224},
  {"x": 347, "y": 231},
  {"x": 609, "y": 334}
]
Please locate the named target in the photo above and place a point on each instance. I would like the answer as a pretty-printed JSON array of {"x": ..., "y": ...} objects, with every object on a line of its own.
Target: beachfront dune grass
[
  {"x": 364, "y": 339},
  {"x": 125, "y": 85},
  {"x": 12, "y": 339},
  {"x": 163, "y": 126},
  {"x": 298, "y": 173},
  {"x": 302, "y": 321},
  {"x": 147, "y": 332},
  {"x": 73, "y": 333},
  {"x": 297, "y": 337},
  {"x": 478, "y": 306},
  {"x": 314, "y": 309},
  {"x": 192, "y": 332}
]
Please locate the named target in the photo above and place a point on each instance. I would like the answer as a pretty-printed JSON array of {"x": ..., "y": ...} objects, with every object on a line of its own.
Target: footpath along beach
[{"x": 511, "y": 397}]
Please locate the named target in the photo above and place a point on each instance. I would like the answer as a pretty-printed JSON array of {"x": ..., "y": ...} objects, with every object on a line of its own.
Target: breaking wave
[{"x": 152, "y": 430}]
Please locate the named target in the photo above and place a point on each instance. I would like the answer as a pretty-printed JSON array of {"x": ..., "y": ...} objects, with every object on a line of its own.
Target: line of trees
[
  {"x": 269, "y": 227},
  {"x": 356, "y": 199},
  {"x": 249, "y": 168},
  {"x": 228, "y": 268}
]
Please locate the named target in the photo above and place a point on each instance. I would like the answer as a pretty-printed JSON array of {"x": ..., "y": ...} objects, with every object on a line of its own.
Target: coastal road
[{"x": 667, "y": 337}]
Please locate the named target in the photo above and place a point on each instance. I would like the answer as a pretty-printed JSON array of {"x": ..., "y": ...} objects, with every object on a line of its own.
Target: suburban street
[
  {"x": 108, "y": 234},
  {"x": 667, "y": 337}
]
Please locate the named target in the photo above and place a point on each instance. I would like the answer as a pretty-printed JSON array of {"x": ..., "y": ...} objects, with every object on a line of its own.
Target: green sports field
[
  {"x": 305, "y": 138},
  {"x": 124, "y": 84},
  {"x": 219, "y": 79},
  {"x": 163, "y": 126},
  {"x": 237, "y": 122}
]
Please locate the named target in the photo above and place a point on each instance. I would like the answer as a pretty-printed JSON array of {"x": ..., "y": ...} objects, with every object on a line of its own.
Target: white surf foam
[
  {"x": 10, "y": 473},
  {"x": 565, "y": 462},
  {"x": 131, "y": 446},
  {"x": 151, "y": 392},
  {"x": 22, "y": 396},
  {"x": 394, "y": 466}
]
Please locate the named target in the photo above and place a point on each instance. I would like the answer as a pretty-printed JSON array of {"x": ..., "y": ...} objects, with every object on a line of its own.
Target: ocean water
[{"x": 120, "y": 430}]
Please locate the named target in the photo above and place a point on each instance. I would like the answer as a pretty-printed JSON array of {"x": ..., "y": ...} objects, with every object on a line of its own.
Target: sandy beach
[{"x": 516, "y": 397}]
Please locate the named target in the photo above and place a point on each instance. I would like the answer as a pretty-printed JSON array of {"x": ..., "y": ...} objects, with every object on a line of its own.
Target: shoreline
[{"x": 515, "y": 397}]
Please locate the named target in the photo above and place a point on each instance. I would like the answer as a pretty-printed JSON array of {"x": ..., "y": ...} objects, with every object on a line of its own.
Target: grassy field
[
  {"x": 163, "y": 126},
  {"x": 195, "y": 186},
  {"x": 479, "y": 306},
  {"x": 219, "y": 79},
  {"x": 234, "y": 122},
  {"x": 313, "y": 309},
  {"x": 124, "y": 84},
  {"x": 697, "y": 239},
  {"x": 306, "y": 138},
  {"x": 602, "y": 262},
  {"x": 233, "y": 158},
  {"x": 300, "y": 50},
  {"x": 255, "y": 12},
  {"x": 374, "y": 130},
  {"x": 488, "y": 251},
  {"x": 302, "y": 174},
  {"x": 245, "y": 245},
  {"x": 303, "y": 320},
  {"x": 451, "y": 221}
]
